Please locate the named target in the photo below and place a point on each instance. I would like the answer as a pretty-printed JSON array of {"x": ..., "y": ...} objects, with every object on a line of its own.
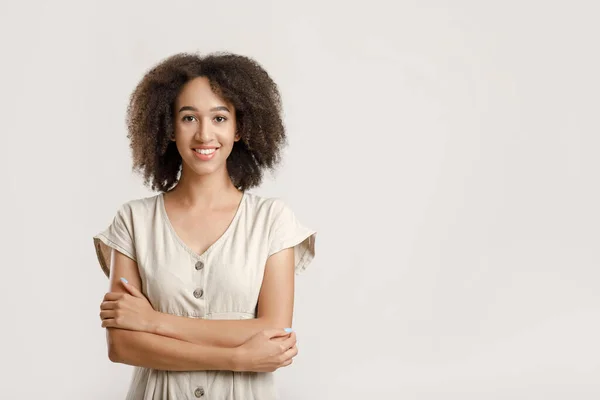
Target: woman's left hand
[{"x": 130, "y": 311}]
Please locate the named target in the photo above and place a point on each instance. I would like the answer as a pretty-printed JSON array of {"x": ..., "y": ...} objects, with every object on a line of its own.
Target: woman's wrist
[{"x": 156, "y": 324}]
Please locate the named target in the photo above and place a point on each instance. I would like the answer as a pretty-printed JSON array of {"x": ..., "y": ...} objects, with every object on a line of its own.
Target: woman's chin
[{"x": 204, "y": 170}]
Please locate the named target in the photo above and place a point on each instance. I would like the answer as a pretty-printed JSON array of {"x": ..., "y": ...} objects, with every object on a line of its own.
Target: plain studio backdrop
[{"x": 446, "y": 153}]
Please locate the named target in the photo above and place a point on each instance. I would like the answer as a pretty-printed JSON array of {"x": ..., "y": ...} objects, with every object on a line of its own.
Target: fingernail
[
  {"x": 288, "y": 330},
  {"x": 124, "y": 280}
]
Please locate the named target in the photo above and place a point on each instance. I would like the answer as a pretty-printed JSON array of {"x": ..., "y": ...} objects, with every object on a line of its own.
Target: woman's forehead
[{"x": 198, "y": 93}]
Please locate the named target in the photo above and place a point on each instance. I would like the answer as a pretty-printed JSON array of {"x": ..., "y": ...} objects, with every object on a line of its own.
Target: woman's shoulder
[
  {"x": 265, "y": 204},
  {"x": 271, "y": 210},
  {"x": 139, "y": 206}
]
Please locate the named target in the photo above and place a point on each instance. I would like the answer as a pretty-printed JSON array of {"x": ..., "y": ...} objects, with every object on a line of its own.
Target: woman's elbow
[
  {"x": 114, "y": 342},
  {"x": 113, "y": 355}
]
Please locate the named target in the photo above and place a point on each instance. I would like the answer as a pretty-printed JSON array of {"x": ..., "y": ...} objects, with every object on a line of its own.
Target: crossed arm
[{"x": 170, "y": 342}]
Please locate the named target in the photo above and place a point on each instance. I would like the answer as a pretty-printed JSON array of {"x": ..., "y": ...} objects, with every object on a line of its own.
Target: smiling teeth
[{"x": 205, "y": 151}]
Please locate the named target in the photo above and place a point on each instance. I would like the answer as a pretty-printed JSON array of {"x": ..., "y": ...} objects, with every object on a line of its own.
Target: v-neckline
[{"x": 167, "y": 221}]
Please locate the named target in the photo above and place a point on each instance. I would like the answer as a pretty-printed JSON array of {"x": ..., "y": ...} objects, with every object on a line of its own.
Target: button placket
[{"x": 199, "y": 293}]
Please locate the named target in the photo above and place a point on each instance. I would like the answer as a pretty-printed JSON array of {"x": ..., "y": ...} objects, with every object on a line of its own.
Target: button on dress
[{"x": 222, "y": 283}]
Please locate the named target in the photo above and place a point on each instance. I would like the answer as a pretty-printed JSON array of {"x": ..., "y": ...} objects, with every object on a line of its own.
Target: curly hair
[{"x": 240, "y": 81}]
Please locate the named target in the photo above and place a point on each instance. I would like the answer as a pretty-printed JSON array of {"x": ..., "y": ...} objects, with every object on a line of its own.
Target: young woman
[{"x": 202, "y": 274}]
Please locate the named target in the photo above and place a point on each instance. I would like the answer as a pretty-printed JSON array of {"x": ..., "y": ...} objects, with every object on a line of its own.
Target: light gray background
[{"x": 446, "y": 152}]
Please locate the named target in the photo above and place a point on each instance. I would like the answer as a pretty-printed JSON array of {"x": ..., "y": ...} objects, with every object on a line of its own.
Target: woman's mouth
[{"x": 205, "y": 154}]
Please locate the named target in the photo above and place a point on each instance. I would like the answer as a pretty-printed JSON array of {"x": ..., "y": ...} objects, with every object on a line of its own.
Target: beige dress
[{"x": 222, "y": 283}]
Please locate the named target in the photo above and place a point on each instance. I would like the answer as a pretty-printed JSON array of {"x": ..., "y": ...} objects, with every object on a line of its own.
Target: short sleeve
[
  {"x": 118, "y": 236},
  {"x": 287, "y": 231}
]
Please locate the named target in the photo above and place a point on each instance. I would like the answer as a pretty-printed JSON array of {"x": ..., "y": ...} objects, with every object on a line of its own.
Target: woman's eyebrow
[{"x": 192, "y": 108}]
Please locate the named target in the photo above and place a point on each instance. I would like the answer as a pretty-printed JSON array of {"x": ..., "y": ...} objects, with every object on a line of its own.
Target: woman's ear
[{"x": 237, "y": 137}]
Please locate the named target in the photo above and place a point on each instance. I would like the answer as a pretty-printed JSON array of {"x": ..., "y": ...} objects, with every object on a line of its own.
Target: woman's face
[{"x": 205, "y": 127}]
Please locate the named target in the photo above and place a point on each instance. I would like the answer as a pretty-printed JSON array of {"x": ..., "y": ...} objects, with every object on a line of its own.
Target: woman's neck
[{"x": 207, "y": 191}]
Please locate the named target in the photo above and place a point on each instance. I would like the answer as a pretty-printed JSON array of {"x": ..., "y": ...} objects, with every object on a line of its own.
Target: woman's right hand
[{"x": 266, "y": 351}]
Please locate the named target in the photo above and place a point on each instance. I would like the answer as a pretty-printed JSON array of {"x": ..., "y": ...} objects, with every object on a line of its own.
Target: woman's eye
[
  {"x": 222, "y": 119},
  {"x": 185, "y": 119}
]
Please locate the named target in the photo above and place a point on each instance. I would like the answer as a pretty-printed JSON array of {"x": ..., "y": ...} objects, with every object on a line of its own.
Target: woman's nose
[{"x": 203, "y": 133}]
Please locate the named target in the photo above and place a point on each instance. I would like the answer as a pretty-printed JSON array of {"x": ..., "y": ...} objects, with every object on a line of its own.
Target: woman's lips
[{"x": 205, "y": 157}]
